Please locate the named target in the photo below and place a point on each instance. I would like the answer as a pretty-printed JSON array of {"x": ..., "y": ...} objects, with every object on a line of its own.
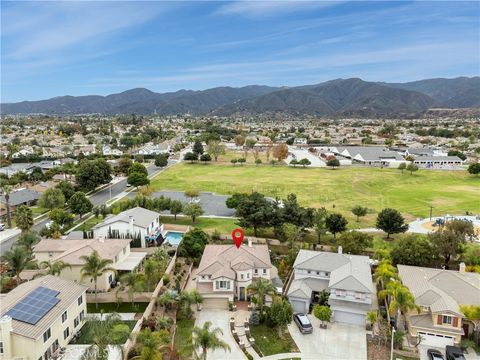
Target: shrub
[{"x": 166, "y": 279}]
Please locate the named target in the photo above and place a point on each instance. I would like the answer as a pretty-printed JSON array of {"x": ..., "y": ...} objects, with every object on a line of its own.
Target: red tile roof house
[
  {"x": 439, "y": 293},
  {"x": 225, "y": 272}
]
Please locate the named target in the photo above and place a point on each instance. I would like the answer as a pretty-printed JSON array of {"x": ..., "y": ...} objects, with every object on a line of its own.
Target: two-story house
[
  {"x": 226, "y": 271},
  {"x": 346, "y": 278},
  {"x": 439, "y": 293},
  {"x": 135, "y": 222},
  {"x": 72, "y": 251},
  {"x": 40, "y": 317}
]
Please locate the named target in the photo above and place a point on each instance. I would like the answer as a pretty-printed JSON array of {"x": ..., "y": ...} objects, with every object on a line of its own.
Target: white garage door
[
  {"x": 215, "y": 303},
  {"x": 299, "y": 306},
  {"x": 349, "y": 318},
  {"x": 436, "y": 340}
]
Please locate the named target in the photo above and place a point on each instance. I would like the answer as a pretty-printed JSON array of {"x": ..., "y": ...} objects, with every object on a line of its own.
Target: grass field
[
  {"x": 270, "y": 343},
  {"x": 125, "y": 307},
  {"x": 452, "y": 192},
  {"x": 87, "y": 336},
  {"x": 183, "y": 338}
]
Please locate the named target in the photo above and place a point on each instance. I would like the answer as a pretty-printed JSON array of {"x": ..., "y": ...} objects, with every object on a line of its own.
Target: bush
[{"x": 166, "y": 279}]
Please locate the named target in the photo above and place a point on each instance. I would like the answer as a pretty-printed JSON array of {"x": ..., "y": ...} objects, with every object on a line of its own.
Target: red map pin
[{"x": 237, "y": 236}]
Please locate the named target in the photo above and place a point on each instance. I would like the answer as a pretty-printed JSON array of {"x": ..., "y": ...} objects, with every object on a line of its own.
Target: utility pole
[{"x": 431, "y": 209}]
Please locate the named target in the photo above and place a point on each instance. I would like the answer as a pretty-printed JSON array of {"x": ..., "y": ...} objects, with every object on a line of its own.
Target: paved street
[{"x": 98, "y": 198}]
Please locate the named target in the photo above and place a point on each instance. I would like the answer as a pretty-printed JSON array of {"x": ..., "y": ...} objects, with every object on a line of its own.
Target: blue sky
[{"x": 78, "y": 48}]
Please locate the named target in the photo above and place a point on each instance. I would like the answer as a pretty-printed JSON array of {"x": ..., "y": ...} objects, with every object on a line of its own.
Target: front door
[{"x": 241, "y": 294}]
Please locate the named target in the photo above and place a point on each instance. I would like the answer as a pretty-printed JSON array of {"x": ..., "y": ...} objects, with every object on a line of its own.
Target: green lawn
[
  {"x": 86, "y": 336},
  {"x": 270, "y": 343},
  {"x": 183, "y": 338},
  {"x": 36, "y": 210},
  {"x": 125, "y": 307},
  {"x": 452, "y": 192}
]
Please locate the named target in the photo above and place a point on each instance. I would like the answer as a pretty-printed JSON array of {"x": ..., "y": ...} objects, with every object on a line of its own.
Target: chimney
[
  {"x": 130, "y": 225},
  {"x": 340, "y": 250},
  {"x": 461, "y": 267},
  {"x": 249, "y": 242}
]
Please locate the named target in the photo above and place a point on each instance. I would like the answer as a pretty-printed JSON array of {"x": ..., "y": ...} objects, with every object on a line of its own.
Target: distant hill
[
  {"x": 461, "y": 92},
  {"x": 336, "y": 97},
  {"x": 350, "y": 96}
]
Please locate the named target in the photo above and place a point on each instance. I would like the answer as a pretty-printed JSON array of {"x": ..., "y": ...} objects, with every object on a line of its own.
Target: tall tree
[
  {"x": 359, "y": 211},
  {"x": 412, "y": 168},
  {"x": 197, "y": 147},
  {"x": 336, "y": 223},
  {"x": 106, "y": 336},
  {"x": 254, "y": 211},
  {"x": 176, "y": 207},
  {"x": 80, "y": 204},
  {"x": 472, "y": 314},
  {"x": 66, "y": 188},
  {"x": 193, "y": 243},
  {"x": 413, "y": 249},
  {"x": 137, "y": 179},
  {"x": 134, "y": 281},
  {"x": 400, "y": 298},
  {"x": 151, "y": 345},
  {"x": 259, "y": 288},
  {"x": 95, "y": 267},
  {"x": 215, "y": 148},
  {"x": 239, "y": 140},
  {"x": 193, "y": 210},
  {"x": 446, "y": 245},
  {"x": 136, "y": 167},
  {"x": 280, "y": 314},
  {"x": 92, "y": 173},
  {"x": 6, "y": 190},
  {"x": 18, "y": 259},
  {"x": 28, "y": 240},
  {"x": 24, "y": 218},
  {"x": 208, "y": 339},
  {"x": 280, "y": 152},
  {"x": 319, "y": 222},
  {"x": 391, "y": 222},
  {"x": 355, "y": 242},
  {"x": 384, "y": 273},
  {"x": 52, "y": 198}
]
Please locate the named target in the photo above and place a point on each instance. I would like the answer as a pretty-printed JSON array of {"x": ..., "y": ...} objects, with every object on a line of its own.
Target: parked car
[
  {"x": 303, "y": 323},
  {"x": 2, "y": 227},
  {"x": 454, "y": 353},
  {"x": 434, "y": 354}
]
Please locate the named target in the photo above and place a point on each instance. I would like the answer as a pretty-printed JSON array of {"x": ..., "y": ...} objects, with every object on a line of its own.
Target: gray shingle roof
[
  {"x": 21, "y": 197},
  {"x": 142, "y": 217},
  {"x": 441, "y": 290}
]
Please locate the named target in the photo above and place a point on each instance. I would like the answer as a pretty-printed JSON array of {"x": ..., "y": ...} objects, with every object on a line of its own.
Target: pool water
[{"x": 173, "y": 237}]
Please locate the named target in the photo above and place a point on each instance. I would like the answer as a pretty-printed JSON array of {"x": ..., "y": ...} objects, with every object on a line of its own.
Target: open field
[{"x": 452, "y": 192}]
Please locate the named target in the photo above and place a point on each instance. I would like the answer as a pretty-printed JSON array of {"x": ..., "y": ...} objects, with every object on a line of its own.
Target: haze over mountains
[{"x": 336, "y": 97}]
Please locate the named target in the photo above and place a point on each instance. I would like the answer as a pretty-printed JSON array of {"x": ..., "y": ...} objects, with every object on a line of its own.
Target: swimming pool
[{"x": 173, "y": 237}]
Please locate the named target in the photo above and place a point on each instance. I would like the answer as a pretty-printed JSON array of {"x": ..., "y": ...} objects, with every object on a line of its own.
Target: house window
[
  {"x": 1, "y": 347},
  {"x": 80, "y": 300},
  {"x": 223, "y": 284},
  {"x": 318, "y": 272},
  {"x": 64, "y": 317},
  {"x": 66, "y": 333},
  {"x": 308, "y": 271},
  {"x": 327, "y": 274},
  {"x": 110, "y": 278},
  {"x": 264, "y": 271},
  {"x": 46, "y": 335},
  {"x": 359, "y": 296},
  {"x": 256, "y": 271},
  {"x": 248, "y": 275},
  {"x": 82, "y": 315},
  {"x": 447, "y": 319},
  {"x": 340, "y": 293},
  {"x": 241, "y": 276},
  {"x": 76, "y": 322}
]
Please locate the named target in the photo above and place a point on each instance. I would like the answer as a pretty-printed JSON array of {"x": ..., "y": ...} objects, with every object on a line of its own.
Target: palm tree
[
  {"x": 6, "y": 190},
  {"x": 134, "y": 281},
  {"x": 151, "y": 270},
  {"x": 151, "y": 345},
  {"x": 54, "y": 268},
  {"x": 164, "y": 322},
  {"x": 259, "y": 288},
  {"x": 196, "y": 298},
  {"x": 95, "y": 267},
  {"x": 168, "y": 299},
  {"x": 208, "y": 339},
  {"x": 18, "y": 259},
  {"x": 103, "y": 337},
  {"x": 400, "y": 298},
  {"x": 385, "y": 273},
  {"x": 24, "y": 218},
  {"x": 28, "y": 241}
]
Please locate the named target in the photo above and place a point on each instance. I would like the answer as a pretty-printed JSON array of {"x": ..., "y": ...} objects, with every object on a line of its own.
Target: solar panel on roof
[{"x": 33, "y": 307}]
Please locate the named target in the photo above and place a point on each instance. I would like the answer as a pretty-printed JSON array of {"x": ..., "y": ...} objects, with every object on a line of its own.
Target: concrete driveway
[
  {"x": 221, "y": 319},
  {"x": 338, "y": 341}
]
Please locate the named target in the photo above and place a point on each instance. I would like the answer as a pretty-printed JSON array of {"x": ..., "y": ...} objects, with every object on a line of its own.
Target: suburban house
[
  {"x": 424, "y": 152},
  {"x": 431, "y": 161},
  {"x": 346, "y": 278},
  {"x": 133, "y": 223},
  {"x": 225, "y": 272},
  {"x": 369, "y": 155},
  {"x": 439, "y": 293},
  {"x": 39, "y": 317},
  {"x": 71, "y": 251},
  {"x": 17, "y": 198}
]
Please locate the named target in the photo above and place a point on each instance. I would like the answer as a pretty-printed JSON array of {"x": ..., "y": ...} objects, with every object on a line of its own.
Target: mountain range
[{"x": 336, "y": 97}]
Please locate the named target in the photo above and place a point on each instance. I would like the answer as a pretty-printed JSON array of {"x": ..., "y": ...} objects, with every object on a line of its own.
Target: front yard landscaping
[
  {"x": 270, "y": 343},
  {"x": 125, "y": 307}
]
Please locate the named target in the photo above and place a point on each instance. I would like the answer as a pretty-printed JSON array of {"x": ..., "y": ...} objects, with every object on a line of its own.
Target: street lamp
[{"x": 391, "y": 344}]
